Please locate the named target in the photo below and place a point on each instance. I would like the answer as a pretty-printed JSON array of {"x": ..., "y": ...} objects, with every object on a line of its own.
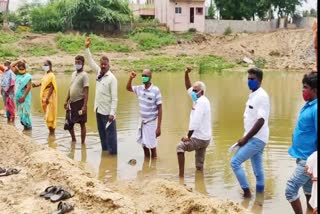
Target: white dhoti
[{"x": 147, "y": 133}]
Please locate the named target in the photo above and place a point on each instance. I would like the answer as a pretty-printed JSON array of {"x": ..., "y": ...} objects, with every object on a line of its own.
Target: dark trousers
[{"x": 108, "y": 136}]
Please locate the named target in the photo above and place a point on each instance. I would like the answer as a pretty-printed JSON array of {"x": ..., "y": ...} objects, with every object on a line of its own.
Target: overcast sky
[{"x": 306, "y": 6}]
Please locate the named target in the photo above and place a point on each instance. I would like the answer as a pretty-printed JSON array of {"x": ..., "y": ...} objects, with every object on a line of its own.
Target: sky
[{"x": 14, "y": 4}]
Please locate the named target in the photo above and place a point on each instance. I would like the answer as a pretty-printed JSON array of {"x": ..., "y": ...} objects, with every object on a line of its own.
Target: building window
[
  {"x": 199, "y": 10},
  {"x": 178, "y": 10}
]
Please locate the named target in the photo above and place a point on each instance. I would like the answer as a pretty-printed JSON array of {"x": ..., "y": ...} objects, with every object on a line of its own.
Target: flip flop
[
  {"x": 2, "y": 170},
  {"x": 54, "y": 191},
  {"x": 10, "y": 171},
  {"x": 64, "y": 207},
  {"x": 60, "y": 195},
  {"x": 48, "y": 190}
]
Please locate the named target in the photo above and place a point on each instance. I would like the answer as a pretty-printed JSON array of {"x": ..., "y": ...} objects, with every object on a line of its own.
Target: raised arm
[
  {"x": 129, "y": 83},
  {"x": 93, "y": 65},
  {"x": 186, "y": 78}
]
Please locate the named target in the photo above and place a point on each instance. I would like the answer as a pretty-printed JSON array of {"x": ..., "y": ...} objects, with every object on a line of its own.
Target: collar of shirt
[
  {"x": 147, "y": 89},
  {"x": 252, "y": 94},
  {"x": 310, "y": 103}
]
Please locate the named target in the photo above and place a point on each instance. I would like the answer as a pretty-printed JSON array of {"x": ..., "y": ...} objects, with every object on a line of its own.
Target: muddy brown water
[{"x": 227, "y": 92}]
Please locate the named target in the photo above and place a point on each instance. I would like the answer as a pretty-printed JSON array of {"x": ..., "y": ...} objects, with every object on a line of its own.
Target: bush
[
  {"x": 74, "y": 43},
  {"x": 227, "y": 31},
  {"x": 152, "y": 37},
  {"x": 260, "y": 62}
]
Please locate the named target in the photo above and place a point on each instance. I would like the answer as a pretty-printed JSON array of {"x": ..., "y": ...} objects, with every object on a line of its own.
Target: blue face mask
[
  {"x": 194, "y": 95},
  {"x": 253, "y": 84}
]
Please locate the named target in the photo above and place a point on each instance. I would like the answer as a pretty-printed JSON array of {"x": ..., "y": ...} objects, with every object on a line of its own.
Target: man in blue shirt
[{"x": 304, "y": 143}]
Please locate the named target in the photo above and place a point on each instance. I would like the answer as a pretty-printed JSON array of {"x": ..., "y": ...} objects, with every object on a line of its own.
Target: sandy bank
[{"x": 41, "y": 166}]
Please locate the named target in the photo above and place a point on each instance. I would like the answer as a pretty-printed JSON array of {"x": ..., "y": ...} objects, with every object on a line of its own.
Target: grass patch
[
  {"x": 171, "y": 64},
  {"x": 75, "y": 43},
  {"x": 7, "y": 51},
  {"x": 260, "y": 62},
  {"x": 6, "y": 38},
  {"x": 151, "y": 37},
  {"x": 41, "y": 51}
]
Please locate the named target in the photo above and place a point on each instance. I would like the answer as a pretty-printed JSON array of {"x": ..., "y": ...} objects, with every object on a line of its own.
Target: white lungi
[{"x": 147, "y": 134}]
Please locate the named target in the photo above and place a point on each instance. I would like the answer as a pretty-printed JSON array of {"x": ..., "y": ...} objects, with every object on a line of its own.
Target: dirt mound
[{"x": 41, "y": 167}]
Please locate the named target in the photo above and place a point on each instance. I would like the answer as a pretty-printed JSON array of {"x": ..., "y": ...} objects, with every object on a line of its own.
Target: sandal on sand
[
  {"x": 2, "y": 170},
  {"x": 54, "y": 190},
  {"x": 49, "y": 189},
  {"x": 60, "y": 195},
  {"x": 10, "y": 171},
  {"x": 64, "y": 207}
]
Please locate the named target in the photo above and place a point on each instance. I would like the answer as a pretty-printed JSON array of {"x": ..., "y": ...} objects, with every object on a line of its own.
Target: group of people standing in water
[{"x": 16, "y": 85}]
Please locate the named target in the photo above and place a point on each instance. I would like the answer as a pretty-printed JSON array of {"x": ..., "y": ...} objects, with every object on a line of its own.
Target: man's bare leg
[
  {"x": 83, "y": 133},
  {"x": 181, "y": 163},
  {"x": 73, "y": 137},
  {"x": 146, "y": 152},
  {"x": 154, "y": 153},
  {"x": 296, "y": 206}
]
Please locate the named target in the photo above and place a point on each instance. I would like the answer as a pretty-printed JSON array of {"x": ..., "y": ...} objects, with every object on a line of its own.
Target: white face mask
[
  {"x": 78, "y": 67},
  {"x": 45, "y": 68},
  {"x": 6, "y": 68}
]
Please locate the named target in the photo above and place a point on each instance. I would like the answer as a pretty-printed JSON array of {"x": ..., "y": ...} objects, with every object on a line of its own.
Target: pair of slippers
[
  {"x": 9, "y": 171},
  {"x": 55, "y": 194}
]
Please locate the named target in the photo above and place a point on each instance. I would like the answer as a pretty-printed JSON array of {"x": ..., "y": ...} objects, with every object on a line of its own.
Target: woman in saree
[
  {"x": 48, "y": 96},
  {"x": 23, "y": 95},
  {"x": 7, "y": 91}
]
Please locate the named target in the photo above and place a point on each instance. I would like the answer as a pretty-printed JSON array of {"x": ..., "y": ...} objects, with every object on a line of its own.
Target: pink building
[{"x": 181, "y": 15}]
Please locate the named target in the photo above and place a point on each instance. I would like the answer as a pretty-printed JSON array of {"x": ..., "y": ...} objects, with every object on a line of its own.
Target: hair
[
  {"x": 104, "y": 57},
  {"x": 256, "y": 71},
  {"x": 311, "y": 79},
  {"x": 21, "y": 64},
  {"x": 201, "y": 85},
  {"x": 81, "y": 58},
  {"x": 49, "y": 63},
  {"x": 7, "y": 62}
]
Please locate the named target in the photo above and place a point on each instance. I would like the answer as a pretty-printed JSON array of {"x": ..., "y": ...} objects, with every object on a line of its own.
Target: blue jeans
[
  {"x": 253, "y": 149},
  {"x": 108, "y": 137},
  {"x": 297, "y": 180}
]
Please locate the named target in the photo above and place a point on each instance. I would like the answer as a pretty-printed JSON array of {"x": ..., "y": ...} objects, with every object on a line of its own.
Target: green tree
[
  {"x": 211, "y": 10},
  {"x": 313, "y": 12}
]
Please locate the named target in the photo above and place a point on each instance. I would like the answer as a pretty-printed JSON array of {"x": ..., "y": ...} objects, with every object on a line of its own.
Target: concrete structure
[
  {"x": 219, "y": 26},
  {"x": 304, "y": 22},
  {"x": 181, "y": 15},
  {"x": 143, "y": 10}
]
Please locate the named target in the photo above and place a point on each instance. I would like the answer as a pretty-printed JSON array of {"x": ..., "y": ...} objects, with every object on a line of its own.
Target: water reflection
[
  {"x": 227, "y": 92},
  {"x": 108, "y": 167}
]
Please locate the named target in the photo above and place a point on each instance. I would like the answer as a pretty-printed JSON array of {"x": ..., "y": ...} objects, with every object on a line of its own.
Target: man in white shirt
[
  {"x": 200, "y": 132},
  {"x": 256, "y": 133},
  {"x": 106, "y": 100}
]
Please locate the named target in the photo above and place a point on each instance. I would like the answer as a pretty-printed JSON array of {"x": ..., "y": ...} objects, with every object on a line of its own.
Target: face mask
[
  {"x": 22, "y": 71},
  {"x": 45, "y": 68},
  {"x": 6, "y": 68},
  {"x": 194, "y": 95},
  {"x": 145, "y": 80},
  {"x": 78, "y": 67},
  {"x": 253, "y": 84},
  {"x": 306, "y": 95}
]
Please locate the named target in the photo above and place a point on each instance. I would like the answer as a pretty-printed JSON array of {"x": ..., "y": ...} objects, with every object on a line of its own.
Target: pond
[{"x": 227, "y": 92}]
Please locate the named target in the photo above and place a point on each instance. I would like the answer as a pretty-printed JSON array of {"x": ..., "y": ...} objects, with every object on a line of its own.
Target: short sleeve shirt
[
  {"x": 149, "y": 99},
  {"x": 78, "y": 82}
]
